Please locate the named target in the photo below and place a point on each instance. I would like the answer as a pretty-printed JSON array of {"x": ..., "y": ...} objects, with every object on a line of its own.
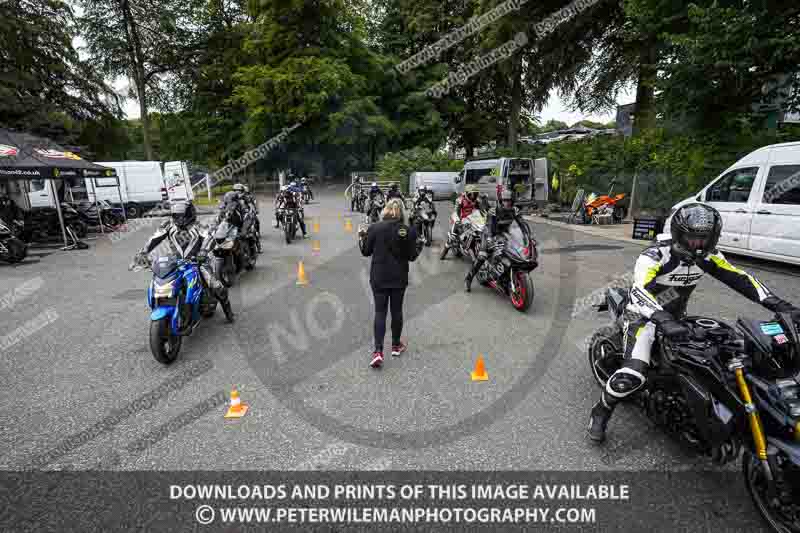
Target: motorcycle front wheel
[
  {"x": 522, "y": 298},
  {"x": 164, "y": 345},
  {"x": 428, "y": 235},
  {"x": 605, "y": 353},
  {"x": 783, "y": 517}
]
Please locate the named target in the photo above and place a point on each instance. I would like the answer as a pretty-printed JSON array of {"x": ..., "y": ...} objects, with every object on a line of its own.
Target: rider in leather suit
[
  {"x": 394, "y": 192},
  {"x": 190, "y": 239},
  {"x": 466, "y": 203},
  {"x": 665, "y": 276},
  {"x": 293, "y": 199},
  {"x": 498, "y": 221}
]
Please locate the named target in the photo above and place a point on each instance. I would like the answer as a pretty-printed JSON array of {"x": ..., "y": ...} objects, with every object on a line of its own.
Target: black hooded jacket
[{"x": 392, "y": 246}]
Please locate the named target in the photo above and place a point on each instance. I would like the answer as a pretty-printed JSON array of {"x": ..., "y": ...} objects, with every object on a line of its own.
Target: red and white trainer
[
  {"x": 377, "y": 359},
  {"x": 397, "y": 349}
]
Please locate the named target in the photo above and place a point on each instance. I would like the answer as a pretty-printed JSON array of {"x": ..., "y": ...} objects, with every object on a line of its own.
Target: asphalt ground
[{"x": 74, "y": 354}]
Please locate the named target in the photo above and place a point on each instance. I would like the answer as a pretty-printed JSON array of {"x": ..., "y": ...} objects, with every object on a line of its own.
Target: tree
[
  {"x": 45, "y": 88},
  {"x": 142, "y": 40}
]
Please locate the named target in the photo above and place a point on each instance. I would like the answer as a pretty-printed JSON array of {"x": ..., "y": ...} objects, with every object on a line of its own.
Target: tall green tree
[
  {"x": 44, "y": 86},
  {"x": 143, "y": 41}
]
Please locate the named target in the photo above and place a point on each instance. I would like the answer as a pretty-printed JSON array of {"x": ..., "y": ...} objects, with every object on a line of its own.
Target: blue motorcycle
[{"x": 179, "y": 301}]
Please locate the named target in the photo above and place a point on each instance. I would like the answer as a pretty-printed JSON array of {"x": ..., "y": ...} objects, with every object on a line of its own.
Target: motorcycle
[
  {"x": 288, "y": 219},
  {"x": 179, "y": 301},
  {"x": 89, "y": 214},
  {"x": 465, "y": 242},
  {"x": 507, "y": 270},
  {"x": 307, "y": 194},
  {"x": 12, "y": 249},
  {"x": 41, "y": 224},
  {"x": 604, "y": 204},
  {"x": 374, "y": 209},
  {"x": 251, "y": 232},
  {"x": 720, "y": 389},
  {"x": 232, "y": 253},
  {"x": 424, "y": 216}
]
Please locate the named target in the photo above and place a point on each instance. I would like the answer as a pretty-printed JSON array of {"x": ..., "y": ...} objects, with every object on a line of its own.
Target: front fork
[{"x": 756, "y": 428}]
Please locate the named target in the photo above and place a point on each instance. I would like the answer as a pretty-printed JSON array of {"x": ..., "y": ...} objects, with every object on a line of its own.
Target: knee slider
[{"x": 624, "y": 382}]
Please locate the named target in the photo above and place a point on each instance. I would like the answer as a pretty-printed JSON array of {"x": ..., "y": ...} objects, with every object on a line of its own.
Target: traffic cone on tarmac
[
  {"x": 315, "y": 247},
  {"x": 315, "y": 227},
  {"x": 301, "y": 274},
  {"x": 348, "y": 225},
  {"x": 480, "y": 374},
  {"x": 237, "y": 408}
]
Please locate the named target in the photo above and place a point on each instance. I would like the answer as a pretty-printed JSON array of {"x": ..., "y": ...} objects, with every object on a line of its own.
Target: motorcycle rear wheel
[
  {"x": 756, "y": 486},
  {"x": 605, "y": 353},
  {"x": 164, "y": 345},
  {"x": 523, "y": 297}
]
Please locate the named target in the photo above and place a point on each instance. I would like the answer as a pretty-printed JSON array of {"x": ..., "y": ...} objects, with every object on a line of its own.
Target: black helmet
[
  {"x": 183, "y": 214},
  {"x": 230, "y": 198},
  {"x": 695, "y": 230}
]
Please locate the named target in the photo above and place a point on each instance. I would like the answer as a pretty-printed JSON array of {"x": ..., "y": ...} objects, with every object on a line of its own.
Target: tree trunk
[
  {"x": 137, "y": 61},
  {"x": 516, "y": 103},
  {"x": 645, "y": 115}
]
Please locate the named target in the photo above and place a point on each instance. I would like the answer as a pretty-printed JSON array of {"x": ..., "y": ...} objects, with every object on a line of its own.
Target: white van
[
  {"x": 441, "y": 183},
  {"x": 179, "y": 183},
  {"x": 487, "y": 174},
  {"x": 141, "y": 184},
  {"x": 759, "y": 200}
]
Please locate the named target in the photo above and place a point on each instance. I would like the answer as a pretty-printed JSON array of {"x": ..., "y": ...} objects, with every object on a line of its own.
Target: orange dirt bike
[{"x": 603, "y": 204}]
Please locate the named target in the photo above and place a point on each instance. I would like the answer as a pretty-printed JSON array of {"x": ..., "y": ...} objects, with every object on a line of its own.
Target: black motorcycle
[
  {"x": 41, "y": 224},
  {"x": 424, "y": 217},
  {"x": 12, "y": 249},
  {"x": 232, "y": 252},
  {"x": 307, "y": 194},
  {"x": 89, "y": 213},
  {"x": 289, "y": 220},
  {"x": 720, "y": 389},
  {"x": 512, "y": 258},
  {"x": 375, "y": 207}
]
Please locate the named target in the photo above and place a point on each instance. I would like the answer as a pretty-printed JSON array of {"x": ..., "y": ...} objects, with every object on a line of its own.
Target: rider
[
  {"x": 675, "y": 265},
  {"x": 280, "y": 203},
  {"x": 293, "y": 199},
  {"x": 498, "y": 220},
  {"x": 190, "y": 240},
  {"x": 306, "y": 187},
  {"x": 393, "y": 192},
  {"x": 233, "y": 208},
  {"x": 466, "y": 203}
]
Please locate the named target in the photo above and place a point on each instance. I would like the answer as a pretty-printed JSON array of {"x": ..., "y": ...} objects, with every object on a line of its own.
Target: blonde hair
[{"x": 394, "y": 210}]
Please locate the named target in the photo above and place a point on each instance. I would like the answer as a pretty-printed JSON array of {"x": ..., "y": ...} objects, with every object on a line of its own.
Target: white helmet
[
  {"x": 284, "y": 187},
  {"x": 293, "y": 184},
  {"x": 374, "y": 184},
  {"x": 238, "y": 187}
]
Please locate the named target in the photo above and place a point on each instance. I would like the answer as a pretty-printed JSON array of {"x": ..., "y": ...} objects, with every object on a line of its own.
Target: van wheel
[{"x": 133, "y": 210}]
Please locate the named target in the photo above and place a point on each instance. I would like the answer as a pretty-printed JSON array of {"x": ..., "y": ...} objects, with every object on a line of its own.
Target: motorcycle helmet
[
  {"x": 183, "y": 214},
  {"x": 246, "y": 189},
  {"x": 506, "y": 199},
  {"x": 238, "y": 187},
  {"x": 230, "y": 198},
  {"x": 695, "y": 230},
  {"x": 471, "y": 191}
]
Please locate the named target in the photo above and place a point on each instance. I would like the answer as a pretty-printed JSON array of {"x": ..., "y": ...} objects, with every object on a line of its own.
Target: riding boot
[
  {"x": 599, "y": 417},
  {"x": 225, "y": 303}
]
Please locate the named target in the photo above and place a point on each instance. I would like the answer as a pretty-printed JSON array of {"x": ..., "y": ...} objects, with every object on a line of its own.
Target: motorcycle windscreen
[
  {"x": 477, "y": 219},
  {"x": 517, "y": 243},
  {"x": 164, "y": 266}
]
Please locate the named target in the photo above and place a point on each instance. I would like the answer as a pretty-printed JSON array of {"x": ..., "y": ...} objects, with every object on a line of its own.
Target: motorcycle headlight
[{"x": 164, "y": 290}]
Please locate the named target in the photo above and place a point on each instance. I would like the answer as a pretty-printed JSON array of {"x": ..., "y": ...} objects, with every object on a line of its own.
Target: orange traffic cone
[
  {"x": 348, "y": 225},
  {"x": 480, "y": 374},
  {"x": 237, "y": 408},
  {"x": 301, "y": 274},
  {"x": 315, "y": 228},
  {"x": 315, "y": 246}
]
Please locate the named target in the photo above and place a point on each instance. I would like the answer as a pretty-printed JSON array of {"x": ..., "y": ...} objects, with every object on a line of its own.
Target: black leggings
[{"x": 382, "y": 299}]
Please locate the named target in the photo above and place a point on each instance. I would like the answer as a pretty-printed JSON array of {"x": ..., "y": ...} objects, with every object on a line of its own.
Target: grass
[{"x": 201, "y": 195}]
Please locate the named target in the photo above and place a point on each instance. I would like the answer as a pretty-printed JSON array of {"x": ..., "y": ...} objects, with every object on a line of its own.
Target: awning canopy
[{"x": 28, "y": 157}]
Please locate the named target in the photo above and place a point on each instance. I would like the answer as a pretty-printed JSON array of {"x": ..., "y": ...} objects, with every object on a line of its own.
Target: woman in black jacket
[{"x": 392, "y": 244}]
